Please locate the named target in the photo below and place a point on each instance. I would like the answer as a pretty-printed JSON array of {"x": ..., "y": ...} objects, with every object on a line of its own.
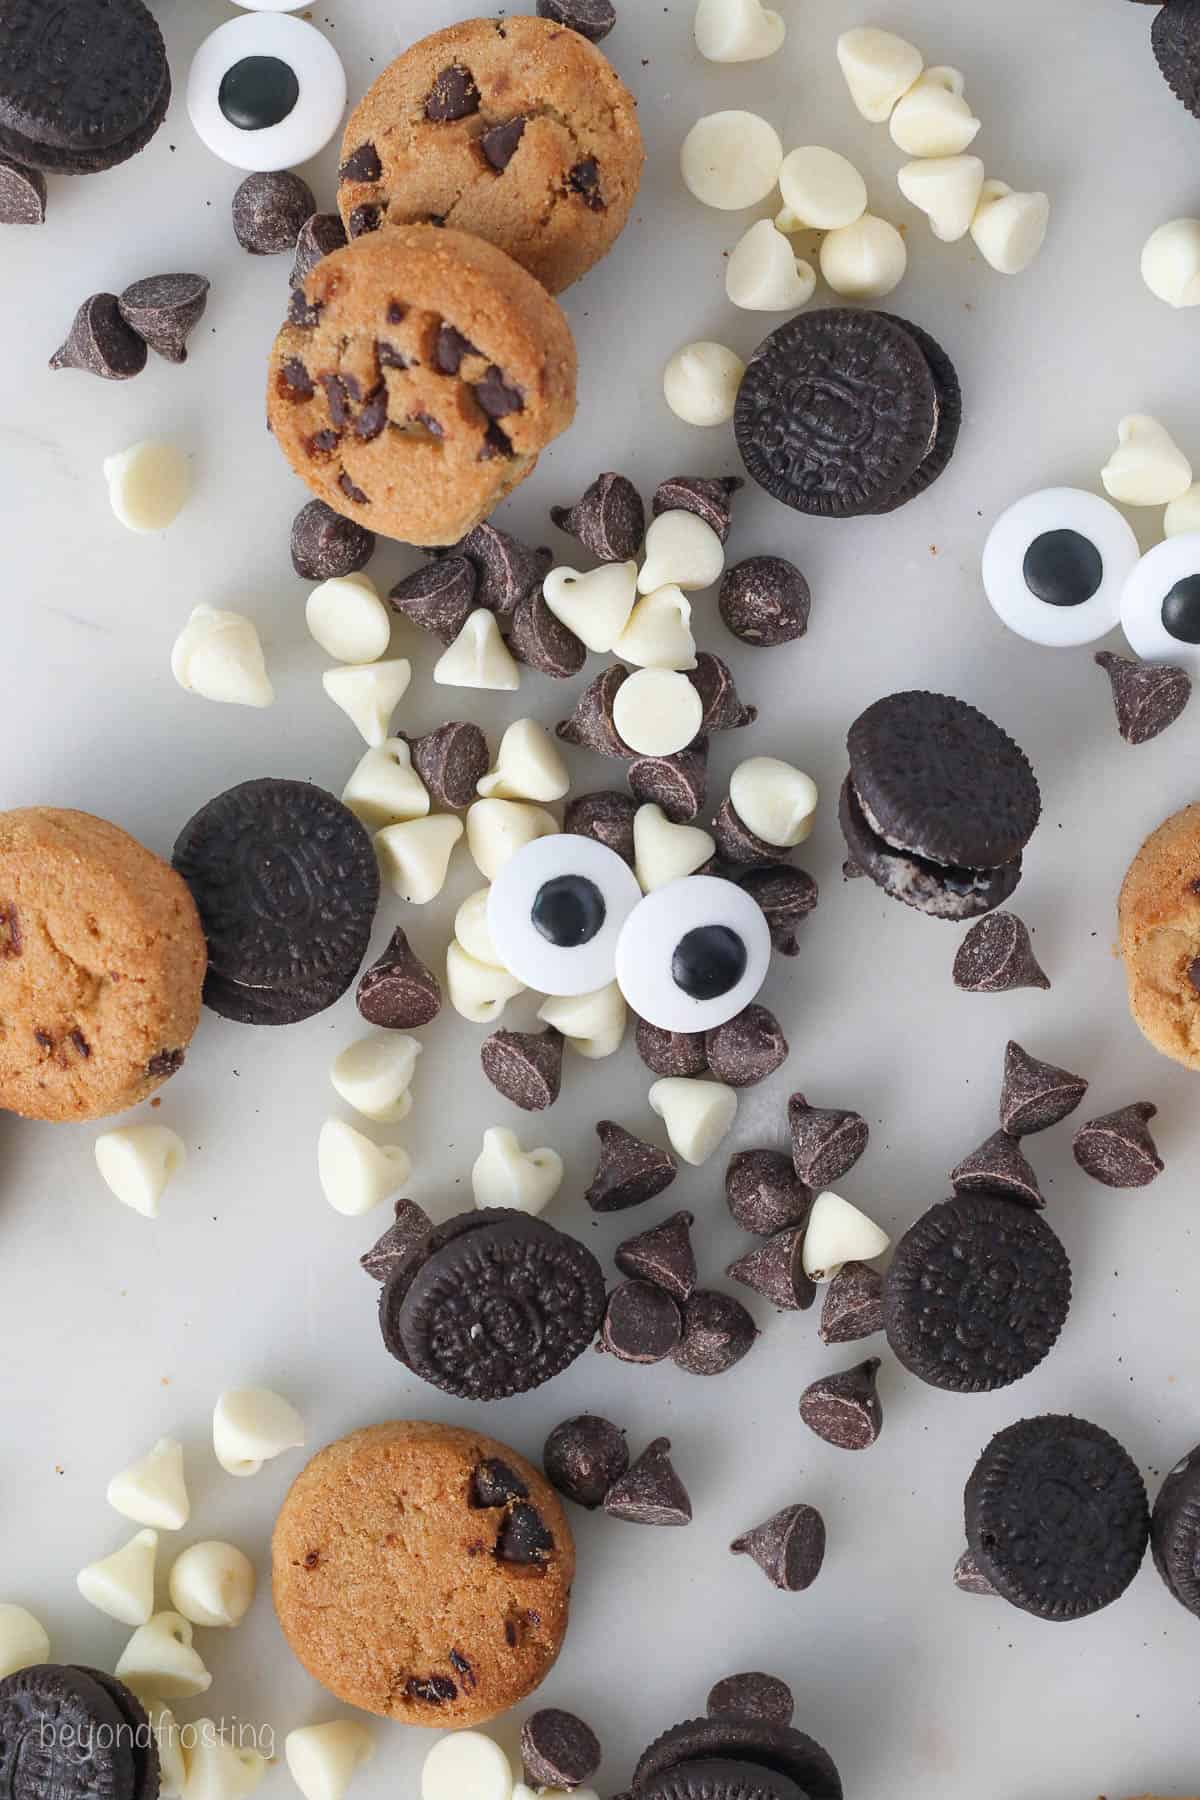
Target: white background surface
[{"x": 116, "y": 1329}]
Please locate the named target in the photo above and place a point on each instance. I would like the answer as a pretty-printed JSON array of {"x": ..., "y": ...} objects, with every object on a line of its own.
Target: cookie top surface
[
  {"x": 419, "y": 375},
  {"x": 79, "y": 75},
  {"x": 388, "y": 1578},
  {"x": 977, "y": 1293},
  {"x": 836, "y": 412},
  {"x": 940, "y": 890},
  {"x": 101, "y": 962},
  {"x": 516, "y": 129},
  {"x": 1159, "y": 917},
  {"x": 717, "y": 1780},
  {"x": 779, "y": 1749},
  {"x": 1056, "y": 1516},
  {"x": 1175, "y": 1531},
  {"x": 937, "y": 777},
  {"x": 62, "y": 1734},
  {"x": 949, "y": 416}
]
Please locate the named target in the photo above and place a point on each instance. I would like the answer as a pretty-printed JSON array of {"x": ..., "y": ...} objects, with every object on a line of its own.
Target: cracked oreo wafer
[
  {"x": 1175, "y": 1532},
  {"x": 753, "y": 1743}
]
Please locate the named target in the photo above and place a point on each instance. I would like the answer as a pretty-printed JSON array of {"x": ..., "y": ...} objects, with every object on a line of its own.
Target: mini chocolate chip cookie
[
  {"x": 423, "y": 1572},
  {"x": 418, "y": 376},
  {"x": 516, "y": 129},
  {"x": 1160, "y": 937}
]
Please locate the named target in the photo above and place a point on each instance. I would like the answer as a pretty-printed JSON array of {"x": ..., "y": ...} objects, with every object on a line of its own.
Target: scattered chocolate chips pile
[
  {"x": 660, "y": 1312},
  {"x": 111, "y": 334},
  {"x": 587, "y": 1460}
]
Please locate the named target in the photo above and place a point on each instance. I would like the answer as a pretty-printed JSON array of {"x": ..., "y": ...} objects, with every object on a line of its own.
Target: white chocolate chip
[
  {"x": 466, "y": 1766},
  {"x": 946, "y": 189},
  {"x": 764, "y": 274},
  {"x": 212, "y": 1584},
  {"x": 497, "y": 829},
  {"x": 385, "y": 789},
  {"x": 23, "y": 1641},
  {"x": 683, "y": 550},
  {"x": 663, "y": 851},
  {"x": 659, "y": 632},
  {"x": 697, "y": 1115},
  {"x": 1171, "y": 262},
  {"x": 733, "y": 31},
  {"x": 357, "y": 1174},
  {"x": 414, "y": 856},
  {"x": 136, "y": 1163},
  {"x": 528, "y": 766},
  {"x": 374, "y": 1075},
  {"x": 172, "y": 1765},
  {"x": 252, "y": 1426},
  {"x": 153, "y": 1491},
  {"x": 933, "y": 118},
  {"x": 701, "y": 382},
  {"x": 1147, "y": 468},
  {"x": 348, "y": 619},
  {"x": 159, "y": 1661},
  {"x": 322, "y": 1759},
  {"x": 219, "y": 656},
  {"x": 478, "y": 657},
  {"x": 731, "y": 160},
  {"x": 774, "y": 800},
  {"x": 369, "y": 693},
  {"x": 148, "y": 484},
  {"x": 864, "y": 261},
  {"x": 879, "y": 67},
  {"x": 821, "y": 190},
  {"x": 471, "y": 929},
  {"x": 1009, "y": 229},
  {"x": 839, "y": 1233},
  {"x": 216, "y": 1768},
  {"x": 1183, "y": 515},
  {"x": 657, "y": 712},
  {"x": 506, "y": 1175},
  {"x": 122, "y": 1585},
  {"x": 593, "y": 1024},
  {"x": 594, "y": 605},
  {"x": 478, "y": 991}
]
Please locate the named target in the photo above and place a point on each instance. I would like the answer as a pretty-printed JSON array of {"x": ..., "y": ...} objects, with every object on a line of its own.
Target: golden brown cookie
[
  {"x": 1160, "y": 937},
  {"x": 418, "y": 376},
  {"x": 101, "y": 963},
  {"x": 423, "y": 1572},
  {"x": 516, "y": 129}
]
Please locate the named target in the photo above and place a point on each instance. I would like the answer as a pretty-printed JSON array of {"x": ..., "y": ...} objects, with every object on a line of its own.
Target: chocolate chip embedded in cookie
[
  {"x": 515, "y": 129},
  {"x": 1160, "y": 937},
  {"x": 417, "y": 378},
  {"x": 423, "y": 1572},
  {"x": 101, "y": 964}
]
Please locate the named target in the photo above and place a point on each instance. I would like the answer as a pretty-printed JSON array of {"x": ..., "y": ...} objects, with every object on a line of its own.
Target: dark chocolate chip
[
  {"x": 398, "y": 993},
  {"x": 525, "y": 1066},
  {"x": 439, "y": 597},
  {"x": 765, "y": 601},
  {"x": 844, "y": 1409},
  {"x": 499, "y": 145},
  {"x": 337, "y": 398},
  {"x": 325, "y": 545},
  {"x": 372, "y": 417},
  {"x": 388, "y": 357},
  {"x": 786, "y": 897},
  {"x": 583, "y": 1457},
  {"x": 761, "y": 1699},
  {"x": 663, "y": 1256},
  {"x": 1147, "y": 697},
  {"x": 642, "y": 1324},
  {"x": 629, "y": 1173},
  {"x": 723, "y": 710},
  {"x": 323, "y": 443},
  {"x": 671, "y": 1053},
  {"x": 164, "y": 310},
  {"x": 364, "y": 219},
  {"x": 747, "y": 1048},
  {"x": 495, "y": 443},
  {"x": 451, "y": 350},
  {"x": 737, "y": 844},
  {"x": 969, "y": 1578},
  {"x": 162, "y": 1065},
  {"x": 269, "y": 211},
  {"x": 508, "y": 570},
  {"x": 676, "y": 783},
  {"x": 494, "y": 1484},
  {"x": 303, "y": 312},
  {"x": 496, "y": 396},
  {"x": 22, "y": 194},
  {"x": 775, "y": 1269},
  {"x": 584, "y": 179},
  {"x": 591, "y": 726},
  {"x": 764, "y": 1194},
  {"x": 996, "y": 957},
  {"x": 650, "y": 1492},
  {"x": 462, "y": 1668},
  {"x": 362, "y": 164},
  {"x": 558, "y": 1750},
  {"x": 607, "y": 817},
  {"x": 717, "y": 1333},
  {"x": 101, "y": 343},
  {"x": 1036, "y": 1095},
  {"x": 542, "y": 642},
  {"x": 1118, "y": 1150},
  {"x": 592, "y": 19},
  {"x": 320, "y": 236},
  {"x": 609, "y": 520},
  {"x": 453, "y": 95},
  {"x": 852, "y": 871},
  {"x": 789, "y": 1547},
  {"x": 412, "y": 1226},
  {"x": 710, "y": 498},
  {"x": 998, "y": 1167},
  {"x": 352, "y": 490},
  {"x": 451, "y": 761},
  {"x": 431, "y": 1690},
  {"x": 853, "y": 1307},
  {"x": 826, "y": 1141},
  {"x": 524, "y": 1536}
]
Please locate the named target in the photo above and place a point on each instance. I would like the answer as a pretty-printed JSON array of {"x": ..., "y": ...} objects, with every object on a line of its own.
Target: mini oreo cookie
[
  {"x": 1175, "y": 1532},
  {"x": 1057, "y": 1517},
  {"x": 977, "y": 1293},
  {"x": 755, "y": 1744},
  {"x": 937, "y": 457},
  {"x": 62, "y": 1733},
  {"x": 719, "y": 1780},
  {"x": 140, "y": 1735},
  {"x": 1175, "y": 40},
  {"x": 937, "y": 889},
  {"x": 82, "y": 86}
]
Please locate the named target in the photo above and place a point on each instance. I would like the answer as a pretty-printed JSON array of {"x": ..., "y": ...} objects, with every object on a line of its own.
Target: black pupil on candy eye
[
  {"x": 708, "y": 962},
  {"x": 1063, "y": 568},
  {"x": 258, "y": 92},
  {"x": 1181, "y": 610},
  {"x": 569, "y": 911}
]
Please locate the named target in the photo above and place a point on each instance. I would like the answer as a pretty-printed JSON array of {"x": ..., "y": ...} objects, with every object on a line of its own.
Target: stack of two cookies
[{"x": 424, "y": 367}]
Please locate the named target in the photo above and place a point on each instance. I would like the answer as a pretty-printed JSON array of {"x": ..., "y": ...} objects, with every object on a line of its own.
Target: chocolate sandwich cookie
[
  {"x": 286, "y": 883},
  {"x": 140, "y": 1734},
  {"x": 938, "y": 805},
  {"x": 720, "y": 1780},
  {"x": 492, "y": 1303},
  {"x": 756, "y": 1745},
  {"x": 62, "y": 1733},
  {"x": 977, "y": 1293},
  {"x": 840, "y": 412},
  {"x": 516, "y": 130},
  {"x": 1056, "y": 1516},
  {"x": 1175, "y": 39},
  {"x": 418, "y": 376},
  {"x": 1175, "y": 1531},
  {"x": 83, "y": 86}
]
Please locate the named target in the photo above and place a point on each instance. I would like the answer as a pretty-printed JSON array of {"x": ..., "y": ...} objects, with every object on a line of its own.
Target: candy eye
[
  {"x": 1054, "y": 566},
  {"x": 693, "y": 954},
  {"x": 266, "y": 91},
  {"x": 1160, "y": 607},
  {"x": 555, "y": 913}
]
